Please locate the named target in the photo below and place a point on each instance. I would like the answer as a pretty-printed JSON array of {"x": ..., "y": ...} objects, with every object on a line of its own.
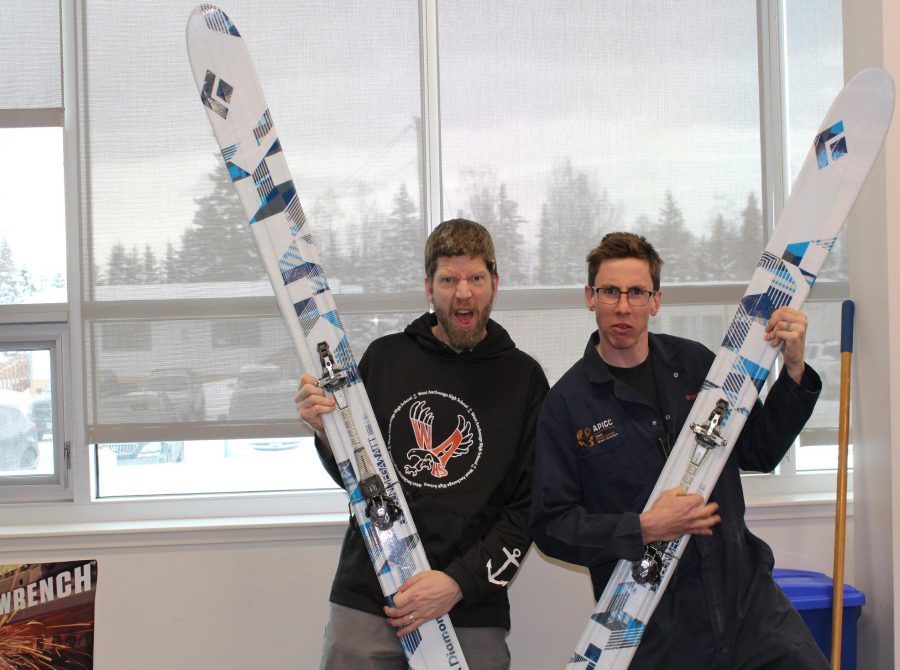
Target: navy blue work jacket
[{"x": 600, "y": 449}]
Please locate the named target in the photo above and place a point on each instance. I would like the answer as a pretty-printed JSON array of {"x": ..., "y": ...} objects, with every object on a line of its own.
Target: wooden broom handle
[{"x": 840, "y": 518}]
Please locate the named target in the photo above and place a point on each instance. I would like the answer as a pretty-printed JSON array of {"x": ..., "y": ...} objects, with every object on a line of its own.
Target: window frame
[
  {"x": 327, "y": 506},
  {"x": 51, "y": 336},
  {"x": 785, "y": 482},
  {"x": 46, "y": 325}
]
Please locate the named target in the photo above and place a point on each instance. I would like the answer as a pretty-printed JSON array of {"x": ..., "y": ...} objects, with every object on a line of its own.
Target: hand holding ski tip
[{"x": 787, "y": 326}]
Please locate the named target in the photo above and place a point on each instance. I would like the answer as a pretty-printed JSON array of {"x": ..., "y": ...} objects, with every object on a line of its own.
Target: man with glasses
[{"x": 604, "y": 433}]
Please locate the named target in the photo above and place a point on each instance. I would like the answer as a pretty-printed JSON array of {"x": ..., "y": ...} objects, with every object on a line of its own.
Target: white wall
[
  {"x": 870, "y": 40},
  {"x": 232, "y": 599}
]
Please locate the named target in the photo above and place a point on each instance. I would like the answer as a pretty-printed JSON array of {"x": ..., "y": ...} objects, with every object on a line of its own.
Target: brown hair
[
  {"x": 459, "y": 237},
  {"x": 624, "y": 245}
]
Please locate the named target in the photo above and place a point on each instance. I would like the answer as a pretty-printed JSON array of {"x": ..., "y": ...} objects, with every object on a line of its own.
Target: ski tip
[
  {"x": 875, "y": 75},
  {"x": 847, "y": 312},
  {"x": 210, "y": 17},
  {"x": 869, "y": 98},
  {"x": 875, "y": 80}
]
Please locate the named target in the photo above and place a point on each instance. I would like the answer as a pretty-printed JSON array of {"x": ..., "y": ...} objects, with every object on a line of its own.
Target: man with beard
[{"x": 457, "y": 403}]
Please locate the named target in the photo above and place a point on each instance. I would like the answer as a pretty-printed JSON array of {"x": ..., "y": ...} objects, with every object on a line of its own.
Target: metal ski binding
[
  {"x": 707, "y": 434},
  {"x": 334, "y": 379},
  {"x": 381, "y": 508},
  {"x": 648, "y": 570}
]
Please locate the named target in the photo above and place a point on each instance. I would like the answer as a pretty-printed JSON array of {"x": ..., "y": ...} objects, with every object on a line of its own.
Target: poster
[{"x": 47, "y": 615}]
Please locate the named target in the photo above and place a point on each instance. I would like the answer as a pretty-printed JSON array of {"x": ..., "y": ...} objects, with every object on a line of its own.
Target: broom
[{"x": 840, "y": 518}]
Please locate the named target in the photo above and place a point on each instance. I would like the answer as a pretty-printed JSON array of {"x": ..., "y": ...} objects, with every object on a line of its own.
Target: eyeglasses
[{"x": 609, "y": 295}]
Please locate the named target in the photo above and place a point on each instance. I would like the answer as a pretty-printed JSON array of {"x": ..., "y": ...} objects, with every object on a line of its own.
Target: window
[
  {"x": 262, "y": 465},
  {"x": 226, "y": 333},
  {"x": 190, "y": 372},
  {"x": 127, "y": 337},
  {"x": 33, "y": 257},
  {"x": 572, "y": 124},
  {"x": 33, "y": 449},
  {"x": 814, "y": 75},
  {"x": 32, "y": 218},
  {"x": 27, "y": 414},
  {"x": 551, "y": 125}
]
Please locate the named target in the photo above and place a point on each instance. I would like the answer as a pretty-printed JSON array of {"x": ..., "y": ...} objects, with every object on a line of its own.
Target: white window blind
[
  {"x": 33, "y": 259},
  {"x": 31, "y": 76},
  {"x": 557, "y": 122},
  {"x": 182, "y": 337},
  {"x": 560, "y": 126}
]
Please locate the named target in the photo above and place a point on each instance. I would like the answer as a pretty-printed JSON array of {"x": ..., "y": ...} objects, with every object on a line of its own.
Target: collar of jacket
[{"x": 664, "y": 351}]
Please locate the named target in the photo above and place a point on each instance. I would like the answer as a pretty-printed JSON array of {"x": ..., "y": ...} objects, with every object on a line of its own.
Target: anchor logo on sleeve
[{"x": 511, "y": 560}]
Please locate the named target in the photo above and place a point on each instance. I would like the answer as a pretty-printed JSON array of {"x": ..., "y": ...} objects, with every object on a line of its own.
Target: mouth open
[{"x": 464, "y": 317}]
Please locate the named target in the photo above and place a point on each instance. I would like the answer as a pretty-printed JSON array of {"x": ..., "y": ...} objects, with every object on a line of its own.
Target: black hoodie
[{"x": 460, "y": 429}]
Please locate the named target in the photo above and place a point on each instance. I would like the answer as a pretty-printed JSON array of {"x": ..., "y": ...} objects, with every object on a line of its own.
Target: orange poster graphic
[{"x": 47, "y": 615}]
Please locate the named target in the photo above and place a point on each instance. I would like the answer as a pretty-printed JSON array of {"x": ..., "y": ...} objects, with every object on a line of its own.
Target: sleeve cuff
[
  {"x": 627, "y": 539},
  {"x": 810, "y": 381},
  {"x": 466, "y": 583}
]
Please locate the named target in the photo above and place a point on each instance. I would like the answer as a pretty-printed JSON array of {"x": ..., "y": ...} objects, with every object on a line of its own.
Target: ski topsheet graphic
[
  {"x": 230, "y": 91},
  {"x": 842, "y": 154}
]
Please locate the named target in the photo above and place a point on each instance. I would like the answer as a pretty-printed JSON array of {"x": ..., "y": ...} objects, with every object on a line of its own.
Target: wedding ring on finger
[{"x": 410, "y": 618}]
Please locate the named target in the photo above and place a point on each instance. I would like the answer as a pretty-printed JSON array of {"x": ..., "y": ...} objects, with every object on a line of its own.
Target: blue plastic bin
[{"x": 811, "y": 593}]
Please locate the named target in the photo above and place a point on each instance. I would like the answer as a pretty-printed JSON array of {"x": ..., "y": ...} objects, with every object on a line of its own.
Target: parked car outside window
[
  {"x": 42, "y": 412},
  {"x": 262, "y": 392},
  {"x": 18, "y": 433},
  {"x": 147, "y": 452}
]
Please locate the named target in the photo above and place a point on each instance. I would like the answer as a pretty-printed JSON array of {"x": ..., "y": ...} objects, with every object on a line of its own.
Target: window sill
[
  {"x": 793, "y": 506},
  {"x": 89, "y": 536},
  {"x": 93, "y": 535}
]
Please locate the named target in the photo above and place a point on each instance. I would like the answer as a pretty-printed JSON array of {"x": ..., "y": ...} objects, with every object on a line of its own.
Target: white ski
[
  {"x": 230, "y": 91},
  {"x": 838, "y": 163}
]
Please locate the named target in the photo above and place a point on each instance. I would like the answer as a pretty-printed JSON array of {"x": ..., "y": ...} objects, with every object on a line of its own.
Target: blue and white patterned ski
[
  {"x": 838, "y": 162},
  {"x": 230, "y": 91}
]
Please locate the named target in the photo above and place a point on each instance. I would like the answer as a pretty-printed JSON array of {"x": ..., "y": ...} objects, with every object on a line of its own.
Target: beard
[{"x": 464, "y": 338}]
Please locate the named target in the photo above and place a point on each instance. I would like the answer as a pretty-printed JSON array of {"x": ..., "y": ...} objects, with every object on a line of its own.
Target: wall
[
  {"x": 231, "y": 599},
  {"x": 874, "y": 236}
]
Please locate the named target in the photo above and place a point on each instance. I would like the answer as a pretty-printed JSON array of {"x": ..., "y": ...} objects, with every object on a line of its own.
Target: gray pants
[{"x": 363, "y": 641}]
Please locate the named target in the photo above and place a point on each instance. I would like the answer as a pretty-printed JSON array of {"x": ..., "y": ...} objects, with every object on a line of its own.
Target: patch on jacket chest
[
  {"x": 597, "y": 434},
  {"x": 435, "y": 440}
]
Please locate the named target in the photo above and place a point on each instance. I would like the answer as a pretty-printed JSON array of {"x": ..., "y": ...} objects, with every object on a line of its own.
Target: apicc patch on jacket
[{"x": 598, "y": 433}]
